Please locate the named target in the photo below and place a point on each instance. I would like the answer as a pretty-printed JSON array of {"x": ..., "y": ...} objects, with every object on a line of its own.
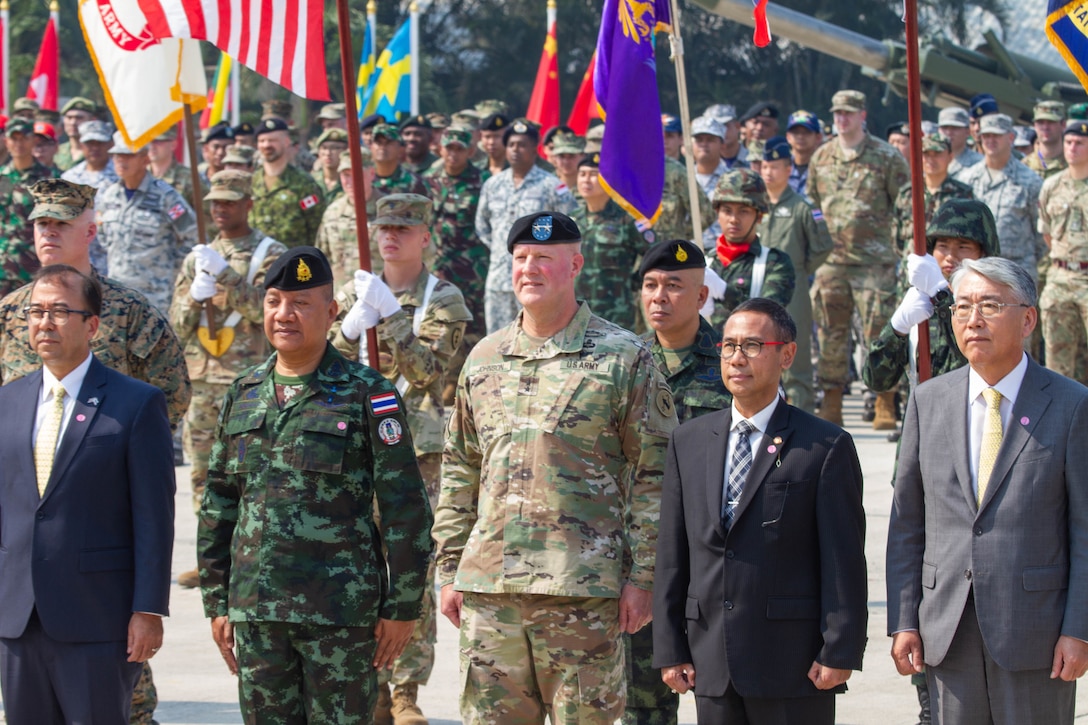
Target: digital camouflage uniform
[
  {"x": 675, "y": 221},
  {"x": 551, "y": 481},
  {"x": 146, "y": 237},
  {"x": 793, "y": 226},
  {"x": 612, "y": 247},
  {"x": 287, "y": 545},
  {"x": 181, "y": 179},
  {"x": 212, "y": 375},
  {"x": 291, "y": 210},
  {"x": 401, "y": 181},
  {"x": 336, "y": 237},
  {"x": 18, "y": 260},
  {"x": 960, "y": 164},
  {"x": 1063, "y": 306},
  {"x": 80, "y": 174},
  {"x": 502, "y": 202},
  {"x": 856, "y": 190}
]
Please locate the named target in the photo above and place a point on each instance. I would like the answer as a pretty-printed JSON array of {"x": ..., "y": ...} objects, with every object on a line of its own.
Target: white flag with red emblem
[{"x": 45, "y": 80}]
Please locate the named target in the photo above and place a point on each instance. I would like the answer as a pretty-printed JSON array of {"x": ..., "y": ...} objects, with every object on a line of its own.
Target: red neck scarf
[{"x": 728, "y": 252}]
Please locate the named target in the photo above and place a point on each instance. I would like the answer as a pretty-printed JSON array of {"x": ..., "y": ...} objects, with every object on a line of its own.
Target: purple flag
[{"x": 632, "y": 167}]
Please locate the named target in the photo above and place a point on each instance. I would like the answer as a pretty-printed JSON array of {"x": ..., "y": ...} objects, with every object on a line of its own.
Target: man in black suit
[
  {"x": 86, "y": 519},
  {"x": 760, "y": 585}
]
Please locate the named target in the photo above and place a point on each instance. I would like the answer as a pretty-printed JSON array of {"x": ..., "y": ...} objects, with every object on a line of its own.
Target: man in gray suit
[{"x": 987, "y": 564}]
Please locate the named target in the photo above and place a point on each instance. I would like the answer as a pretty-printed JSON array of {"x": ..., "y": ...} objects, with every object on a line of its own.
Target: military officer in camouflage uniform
[
  {"x": 239, "y": 158},
  {"x": 521, "y": 189},
  {"x": 939, "y": 187},
  {"x": 336, "y": 237},
  {"x": 163, "y": 165},
  {"x": 133, "y": 337},
  {"x": 685, "y": 349},
  {"x": 954, "y": 123},
  {"x": 551, "y": 474},
  {"x": 568, "y": 150},
  {"x": 416, "y": 133},
  {"x": 391, "y": 176},
  {"x": 794, "y": 227},
  {"x": 1047, "y": 158},
  {"x": 739, "y": 268},
  {"x": 420, "y": 323},
  {"x": 17, "y": 261},
  {"x": 96, "y": 168},
  {"x": 144, "y": 226},
  {"x": 612, "y": 248},
  {"x": 229, "y": 273},
  {"x": 76, "y": 112},
  {"x": 1063, "y": 220},
  {"x": 330, "y": 144},
  {"x": 854, "y": 180},
  {"x": 675, "y": 220},
  {"x": 307, "y": 594},
  {"x": 287, "y": 203}
]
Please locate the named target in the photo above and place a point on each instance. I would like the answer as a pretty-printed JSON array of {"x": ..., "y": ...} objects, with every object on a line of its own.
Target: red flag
[
  {"x": 45, "y": 80},
  {"x": 762, "y": 36},
  {"x": 585, "y": 104},
  {"x": 544, "y": 104},
  {"x": 3, "y": 55}
]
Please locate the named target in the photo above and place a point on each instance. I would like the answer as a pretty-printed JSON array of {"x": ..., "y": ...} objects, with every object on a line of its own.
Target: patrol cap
[
  {"x": 331, "y": 112},
  {"x": 594, "y": 137},
  {"x": 671, "y": 256},
  {"x": 18, "y": 124},
  {"x": 457, "y": 135},
  {"x": 79, "y": 103},
  {"x": 230, "y": 185},
  {"x": 45, "y": 130},
  {"x": 336, "y": 135},
  {"x": 671, "y": 123},
  {"x": 547, "y": 227},
  {"x": 345, "y": 160},
  {"x": 60, "y": 199},
  {"x": 1048, "y": 111},
  {"x": 438, "y": 121},
  {"x": 245, "y": 128},
  {"x": 848, "y": 101},
  {"x": 761, "y": 109},
  {"x": 268, "y": 125},
  {"x": 755, "y": 148},
  {"x": 591, "y": 161},
  {"x": 491, "y": 105},
  {"x": 25, "y": 104},
  {"x": 370, "y": 121},
  {"x": 805, "y": 119},
  {"x": 929, "y": 127},
  {"x": 44, "y": 114},
  {"x": 120, "y": 147},
  {"x": 276, "y": 109},
  {"x": 983, "y": 104},
  {"x": 521, "y": 127},
  {"x": 1076, "y": 128},
  {"x": 389, "y": 131},
  {"x": 299, "y": 268},
  {"x": 1079, "y": 111},
  {"x": 467, "y": 118},
  {"x": 953, "y": 116},
  {"x": 415, "y": 122},
  {"x": 995, "y": 123},
  {"x": 218, "y": 132},
  {"x": 170, "y": 134},
  {"x": 568, "y": 143},
  {"x": 239, "y": 155},
  {"x": 900, "y": 127},
  {"x": 723, "y": 113},
  {"x": 95, "y": 131},
  {"x": 1025, "y": 137},
  {"x": 403, "y": 210},
  {"x": 776, "y": 149},
  {"x": 705, "y": 125},
  {"x": 937, "y": 142}
]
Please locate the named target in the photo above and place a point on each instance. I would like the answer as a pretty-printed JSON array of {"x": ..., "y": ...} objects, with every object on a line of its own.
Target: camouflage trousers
[
  {"x": 500, "y": 308},
  {"x": 200, "y": 432},
  {"x": 144, "y": 698},
  {"x": 1063, "y": 308},
  {"x": 525, "y": 657},
  {"x": 837, "y": 290},
  {"x": 649, "y": 700},
  {"x": 798, "y": 378},
  {"x": 294, "y": 674},
  {"x": 416, "y": 662}
]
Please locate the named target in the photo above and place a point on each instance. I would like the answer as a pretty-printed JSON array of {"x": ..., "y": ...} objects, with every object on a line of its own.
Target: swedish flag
[
  {"x": 389, "y": 91},
  {"x": 367, "y": 64},
  {"x": 1067, "y": 28}
]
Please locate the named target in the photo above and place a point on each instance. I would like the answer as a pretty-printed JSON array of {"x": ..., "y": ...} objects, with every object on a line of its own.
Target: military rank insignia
[
  {"x": 542, "y": 228},
  {"x": 384, "y": 404},
  {"x": 303, "y": 273},
  {"x": 390, "y": 431}
]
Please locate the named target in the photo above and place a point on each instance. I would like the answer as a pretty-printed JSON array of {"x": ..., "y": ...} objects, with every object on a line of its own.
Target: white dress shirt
[
  {"x": 72, "y": 383},
  {"x": 1009, "y": 387},
  {"x": 759, "y": 422}
]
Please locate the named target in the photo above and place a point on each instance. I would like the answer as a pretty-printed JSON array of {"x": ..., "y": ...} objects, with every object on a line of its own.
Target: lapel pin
[
  {"x": 772, "y": 449},
  {"x": 1025, "y": 420},
  {"x": 81, "y": 417},
  {"x": 92, "y": 401},
  {"x": 778, "y": 440}
]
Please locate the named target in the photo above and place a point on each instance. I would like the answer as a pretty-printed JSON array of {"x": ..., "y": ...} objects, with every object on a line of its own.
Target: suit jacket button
[
  {"x": 41, "y": 516},
  {"x": 729, "y": 554},
  {"x": 728, "y": 605},
  {"x": 967, "y": 575},
  {"x": 978, "y": 531}
]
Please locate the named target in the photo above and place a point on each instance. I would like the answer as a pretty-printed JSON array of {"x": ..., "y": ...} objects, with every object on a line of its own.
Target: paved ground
[{"x": 196, "y": 689}]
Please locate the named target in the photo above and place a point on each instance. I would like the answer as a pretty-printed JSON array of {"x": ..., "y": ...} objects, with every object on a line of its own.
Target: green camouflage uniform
[
  {"x": 291, "y": 210},
  {"x": 856, "y": 189},
  {"x": 675, "y": 221},
  {"x": 420, "y": 168},
  {"x": 401, "y": 181},
  {"x": 181, "y": 178},
  {"x": 1063, "y": 306},
  {"x": 336, "y": 237},
  {"x": 18, "y": 260},
  {"x": 1045, "y": 168},
  {"x": 793, "y": 226},
  {"x": 779, "y": 280},
  {"x": 287, "y": 545},
  {"x": 64, "y": 159},
  {"x": 904, "y": 212},
  {"x": 211, "y": 376},
  {"x": 331, "y": 193},
  {"x": 551, "y": 480},
  {"x": 612, "y": 247}
]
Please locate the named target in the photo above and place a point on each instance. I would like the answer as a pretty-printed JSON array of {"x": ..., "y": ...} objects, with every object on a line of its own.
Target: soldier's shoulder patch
[
  {"x": 664, "y": 403},
  {"x": 384, "y": 404},
  {"x": 817, "y": 215},
  {"x": 308, "y": 202},
  {"x": 176, "y": 211},
  {"x": 390, "y": 431}
]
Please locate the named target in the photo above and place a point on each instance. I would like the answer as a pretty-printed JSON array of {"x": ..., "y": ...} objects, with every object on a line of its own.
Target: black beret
[
  {"x": 549, "y": 227},
  {"x": 495, "y": 122},
  {"x": 415, "y": 122},
  {"x": 763, "y": 109},
  {"x": 521, "y": 127},
  {"x": 370, "y": 121},
  {"x": 221, "y": 130},
  {"x": 777, "y": 148},
  {"x": 669, "y": 256},
  {"x": 1076, "y": 128},
  {"x": 271, "y": 124},
  {"x": 245, "y": 128},
  {"x": 900, "y": 127},
  {"x": 299, "y": 268},
  {"x": 592, "y": 160}
]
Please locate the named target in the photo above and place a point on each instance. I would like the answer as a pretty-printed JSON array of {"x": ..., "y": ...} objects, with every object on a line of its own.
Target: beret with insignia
[
  {"x": 548, "y": 227},
  {"x": 763, "y": 109},
  {"x": 370, "y": 121},
  {"x": 521, "y": 127},
  {"x": 245, "y": 128},
  {"x": 672, "y": 255},
  {"x": 268, "y": 125},
  {"x": 592, "y": 161},
  {"x": 1076, "y": 128},
  {"x": 495, "y": 122},
  {"x": 415, "y": 122},
  {"x": 299, "y": 268},
  {"x": 900, "y": 127},
  {"x": 332, "y": 135},
  {"x": 60, "y": 199},
  {"x": 777, "y": 148},
  {"x": 220, "y": 131}
]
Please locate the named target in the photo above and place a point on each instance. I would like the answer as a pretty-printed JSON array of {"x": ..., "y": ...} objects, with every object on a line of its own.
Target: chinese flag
[
  {"x": 45, "y": 80},
  {"x": 585, "y": 104},
  {"x": 544, "y": 104}
]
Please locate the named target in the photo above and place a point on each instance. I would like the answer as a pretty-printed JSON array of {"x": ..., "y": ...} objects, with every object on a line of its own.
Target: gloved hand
[
  {"x": 203, "y": 287},
  {"x": 371, "y": 290},
  {"x": 360, "y": 318},
  {"x": 925, "y": 274},
  {"x": 916, "y": 307},
  {"x": 716, "y": 284},
  {"x": 209, "y": 260}
]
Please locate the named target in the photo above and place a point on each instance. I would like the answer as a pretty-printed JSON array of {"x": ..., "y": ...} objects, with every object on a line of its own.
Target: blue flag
[
  {"x": 1067, "y": 28},
  {"x": 389, "y": 92},
  {"x": 367, "y": 65},
  {"x": 632, "y": 168}
]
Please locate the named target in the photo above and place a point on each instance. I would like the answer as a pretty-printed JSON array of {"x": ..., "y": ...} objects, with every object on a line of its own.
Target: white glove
[
  {"x": 925, "y": 274},
  {"x": 716, "y": 284},
  {"x": 371, "y": 290},
  {"x": 203, "y": 287},
  {"x": 209, "y": 260},
  {"x": 916, "y": 307},
  {"x": 360, "y": 318}
]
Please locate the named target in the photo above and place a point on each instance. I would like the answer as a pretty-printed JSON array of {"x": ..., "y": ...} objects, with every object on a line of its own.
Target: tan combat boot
[
  {"x": 189, "y": 579},
  {"x": 831, "y": 408},
  {"x": 885, "y": 411},
  {"x": 383, "y": 713},
  {"x": 405, "y": 709}
]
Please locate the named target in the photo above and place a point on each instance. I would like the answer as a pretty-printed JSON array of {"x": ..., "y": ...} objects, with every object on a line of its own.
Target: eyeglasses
[
  {"x": 749, "y": 348},
  {"x": 59, "y": 315},
  {"x": 963, "y": 310}
]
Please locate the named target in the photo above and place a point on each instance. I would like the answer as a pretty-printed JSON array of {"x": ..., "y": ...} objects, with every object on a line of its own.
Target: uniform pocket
[{"x": 322, "y": 442}]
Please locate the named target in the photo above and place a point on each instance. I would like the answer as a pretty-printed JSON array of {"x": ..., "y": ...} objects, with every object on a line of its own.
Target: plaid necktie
[
  {"x": 45, "y": 447},
  {"x": 739, "y": 466},
  {"x": 991, "y": 440}
]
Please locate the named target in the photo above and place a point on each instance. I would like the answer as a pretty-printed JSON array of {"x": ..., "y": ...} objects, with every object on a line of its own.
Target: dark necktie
[{"x": 739, "y": 466}]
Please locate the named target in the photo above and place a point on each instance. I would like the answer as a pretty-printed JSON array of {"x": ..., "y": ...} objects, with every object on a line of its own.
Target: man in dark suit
[
  {"x": 86, "y": 519},
  {"x": 987, "y": 559},
  {"x": 760, "y": 583}
]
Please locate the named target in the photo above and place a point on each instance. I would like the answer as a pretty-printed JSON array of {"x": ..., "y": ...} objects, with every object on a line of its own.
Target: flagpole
[
  {"x": 413, "y": 48},
  {"x": 54, "y": 15},
  {"x": 917, "y": 188},
  {"x": 235, "y": 93},
  {"x": 6, "y": 55},
  {"x": 362, "y": 235},
  {"x": 198, "y": 207},
  {"x": 676, "y": 44},
  {"x": 551, "y": 14}
]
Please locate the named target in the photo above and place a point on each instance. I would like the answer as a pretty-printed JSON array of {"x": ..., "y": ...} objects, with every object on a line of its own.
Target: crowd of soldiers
[{"x": 815, "y": 216}]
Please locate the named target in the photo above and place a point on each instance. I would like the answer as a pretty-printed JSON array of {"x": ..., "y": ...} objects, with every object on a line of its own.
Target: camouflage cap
[
  {"x": 936, "y": 142},
  {"x": 331, "y": 112},
  {"x": 79, "y": 103},
  {"x": 953, "y": 116},
  {"x": 1048, "y": 111},
  {"x": 403, "y": 210},
  {"x": 670, "y": 256},
  {"x": 230, "y": 185},
  {"x": 707, "y": 126},
  {"x": 239, "y": 155},
  {"x": 1025, "y": 137},
  {"x": 467, "y": 118},
  {"x": 60, "y": 199},
  {"x": 18, "y": 124},
  {"x": 457, "y": 135},
  {"x": 755, "y": 148},
  {"x": 276, "y": 109},
  {"x": 723, "y": 113},
  {"x": 547, "y": 227},
  {"x": 568, "y": 143},
  {"x": 170, "y": 134},
  {"x": 777, "y": 149},
  {"x": 965, "y": 219},
  {"x": 120, "y": 146},
  {"x": 99, "y": 131},
  {"x": 848, "y": 101},
  {"x": 594, "y": 137},
  {"x": 1079, "y": 111},
  {"x": 44, "y": 114},
  {"x": 25, "y": 104},
  {"x": 997, "y": 123},
  {"x": 491, "y": 105},
  {"x": 438, "y": 120},
  {"x": 389, "y": 131},
  {"x": 335, "y": 135},
  {"x": 1076, "y": 128},
  {"x": 299, "y": 268},
  {"x": 345, "y": 160},
  {"x": 741, "y": 186}
]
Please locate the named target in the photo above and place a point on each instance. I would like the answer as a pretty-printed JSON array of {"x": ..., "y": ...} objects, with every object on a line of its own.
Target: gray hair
[{"x": 1002, "y": 271}]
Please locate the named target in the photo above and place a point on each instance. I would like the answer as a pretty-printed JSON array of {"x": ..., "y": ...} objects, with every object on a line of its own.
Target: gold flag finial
[
  {"x": 54, "y": 7},
  {"x": 371, "y": 8}
]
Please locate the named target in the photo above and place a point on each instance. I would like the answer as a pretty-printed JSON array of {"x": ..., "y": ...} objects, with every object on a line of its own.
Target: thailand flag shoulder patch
[{"x": 384, "y": 404}]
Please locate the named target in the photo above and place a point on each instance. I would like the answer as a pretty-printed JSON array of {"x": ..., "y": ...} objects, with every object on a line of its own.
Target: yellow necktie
[
  {"x": 991, "y": 440},
  {"x": 45, "y": 447}
]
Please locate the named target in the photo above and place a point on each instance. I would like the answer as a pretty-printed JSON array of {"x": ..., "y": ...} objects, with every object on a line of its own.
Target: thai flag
[{"x": 384, "y": 404}]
